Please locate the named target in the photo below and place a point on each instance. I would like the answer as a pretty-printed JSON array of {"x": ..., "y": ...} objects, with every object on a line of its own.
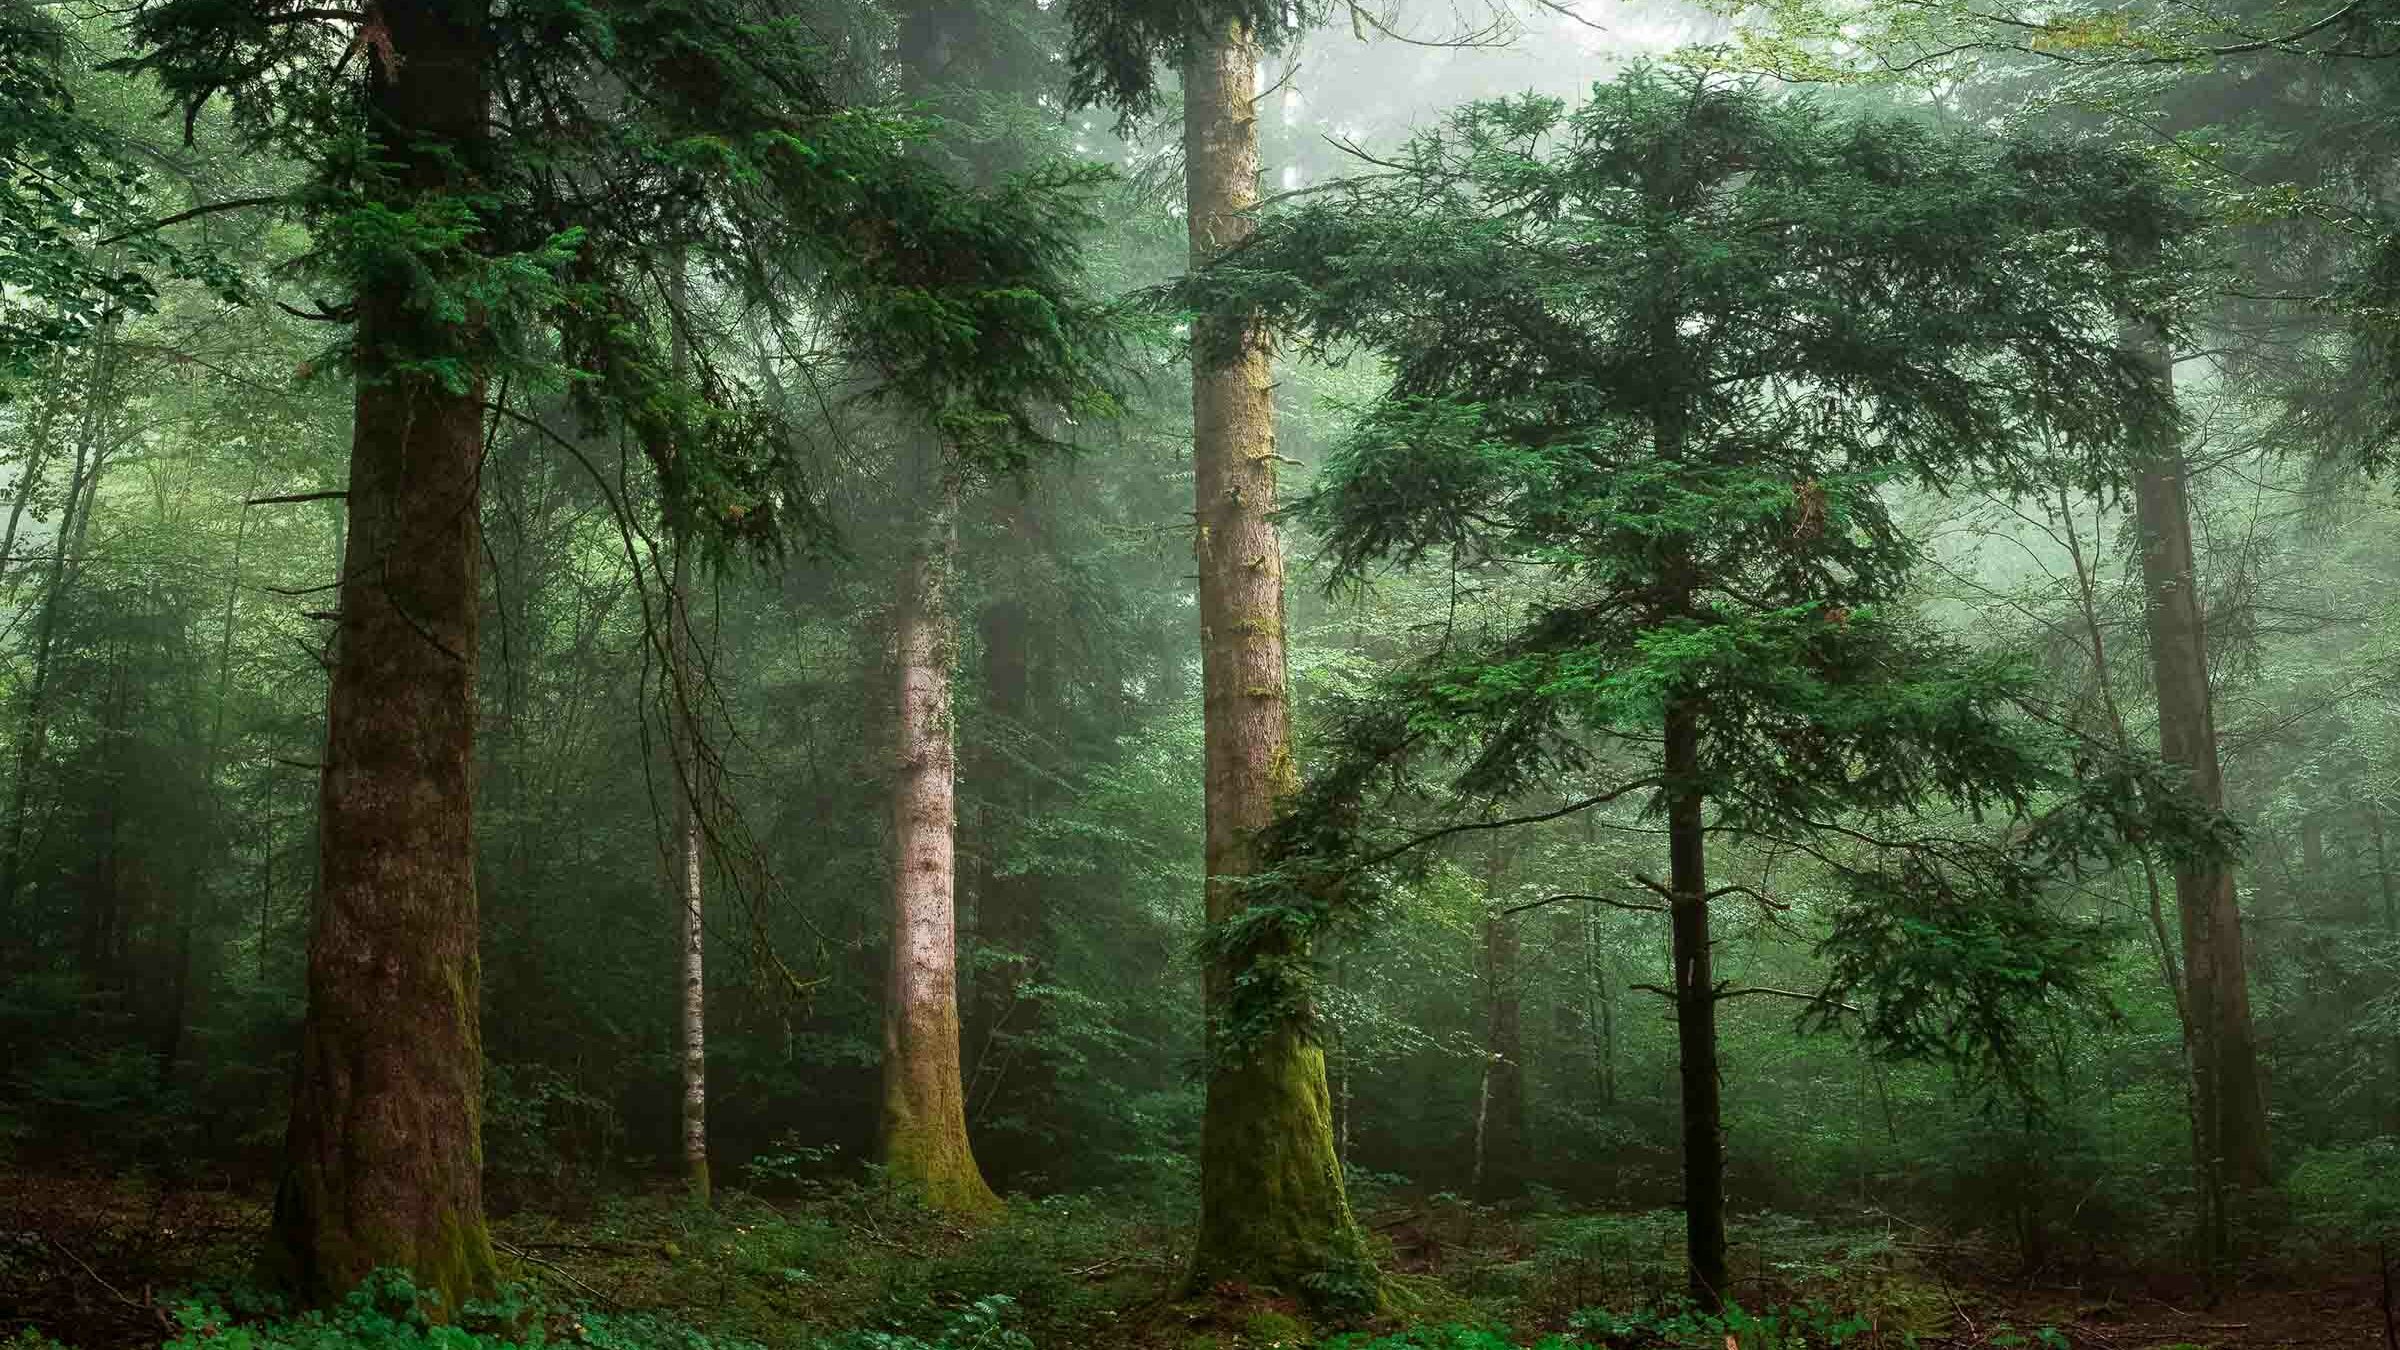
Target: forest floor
[{"x": 97, "y": 1264}]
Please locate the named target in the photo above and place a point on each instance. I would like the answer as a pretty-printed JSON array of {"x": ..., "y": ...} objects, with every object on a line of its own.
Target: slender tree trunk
[
  {"x": 1500, "y": 1116},
  {"x": 37, "y": 457},
  {"x": 383, "y": 1162},
  {"x": 33, "y": 720},
  {"x": 2391, "y": 931},
  {"x": 1272, "y": 1206},
  {"x": 2230, "y": 1124},
  {"x": 1695, "y": 1011},
  {"x": 685, "y": 858},
  {"x": 924, "y": 1132}
]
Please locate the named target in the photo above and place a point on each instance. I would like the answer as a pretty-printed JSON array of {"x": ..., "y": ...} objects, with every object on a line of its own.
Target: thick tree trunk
[
  {"x": 1695, "y": 1011},
  {"x": 684, "y": 856},
  {"x": 1272, "y": 1206},
  {"x": 2230, "y": 1123},
  {"x": 924, "y": 1135},
  {"x": 384, "y": 1158}
]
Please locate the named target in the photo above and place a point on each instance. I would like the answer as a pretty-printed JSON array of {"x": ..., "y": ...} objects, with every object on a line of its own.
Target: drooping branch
[
  {"x": 1609, "y": 900},
  {"x": 1505, "y": 822}
]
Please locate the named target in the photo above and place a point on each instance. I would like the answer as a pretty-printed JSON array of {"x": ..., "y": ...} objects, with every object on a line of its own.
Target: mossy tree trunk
[
  {"x": 924, "y": 1127},
  {"x": 1272, "y": 1206},
  {"x": 384, "y": 1161}
]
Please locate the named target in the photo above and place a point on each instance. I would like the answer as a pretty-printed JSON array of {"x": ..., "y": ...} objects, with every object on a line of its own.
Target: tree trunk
[
  {"x": 1272, "y": 1206},
  {"x": 1500, "y": 1116},
  {"x": 684, "y": 862},
  {"x": 384, "y": 1159},
  {"x": 2230, "y": 1123},
  {"x": 924, "y": 1130},
  {"x": 37, "y": 457},
  {"x": 1695, "y": 1011},
  {"x": 33, "y": 720},
  {"x": 2391, "y": 930}
]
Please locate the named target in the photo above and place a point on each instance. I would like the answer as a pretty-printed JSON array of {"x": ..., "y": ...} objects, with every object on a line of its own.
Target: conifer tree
[
  {"x": 1666, "y": 353},
  {"x": 1272, "y": 1203},
  {"x": 490, "y": 185}
]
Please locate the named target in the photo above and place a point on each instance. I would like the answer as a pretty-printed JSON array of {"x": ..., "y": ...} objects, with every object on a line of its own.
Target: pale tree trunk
[
  {"x": 2230, "y": 1119},
  {"x": 684, "y": 843},
  {"x": 684, "y": 863},
  {"x": 924, "y": 1133},
  {"x": 1272, "y": 1205},
  {"x": 383, "y": 1161}
]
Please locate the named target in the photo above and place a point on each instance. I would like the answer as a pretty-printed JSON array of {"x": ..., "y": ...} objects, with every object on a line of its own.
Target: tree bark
[
  {"x": 2230, "y": 1124},
  {"x": 924, "y": 1134},
  {"x": 383, "y": 1161},
  {"x": 691, "y": 1038},
  {"x": 1695, "y": 1010},
  {"x": 1272, "y": 1206}
]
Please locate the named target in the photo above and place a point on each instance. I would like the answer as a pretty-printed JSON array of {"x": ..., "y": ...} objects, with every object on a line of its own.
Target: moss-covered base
[
  {"x": 1273, "y": 1211},
  {"x": 935, "y": 1168},
  {"x": 451, "y": 1262}
]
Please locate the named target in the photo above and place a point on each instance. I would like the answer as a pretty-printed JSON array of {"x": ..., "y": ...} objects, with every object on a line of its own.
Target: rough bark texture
[
  {"x": 684, "y": 863},
  {"x": 1695, "y": 1012},
  {"x": 1272, "y": 1206},
  {"x": 384, "y": 1158},
  {"x": 2230, "y": 1120},
  {"x": 924, "y": 1132}
]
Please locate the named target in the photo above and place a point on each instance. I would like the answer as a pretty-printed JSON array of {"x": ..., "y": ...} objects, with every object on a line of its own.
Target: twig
[
  {"x": 523, "y": 1255},
  {"x": 296, "y": 497},
  {"x": 117, "y": 1293}
]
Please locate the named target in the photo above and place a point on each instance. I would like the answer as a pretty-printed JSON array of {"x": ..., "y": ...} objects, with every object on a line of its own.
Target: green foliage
[
  {"x": 387, "y": 1312},
  {"x": 2351, "y": 1194},
  {"x": 981, "y": 1325},
  {"x": 711, "y": 129},
  {"x": 1665, "y": 357}
]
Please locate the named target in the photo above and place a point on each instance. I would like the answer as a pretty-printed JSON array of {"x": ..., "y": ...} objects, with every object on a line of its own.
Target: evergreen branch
[
  {"x": 1610, "y": 901},
  {"x": 1504, "y": 823}
]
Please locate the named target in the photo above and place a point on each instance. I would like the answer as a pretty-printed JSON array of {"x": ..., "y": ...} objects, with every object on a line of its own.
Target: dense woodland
[{"x": 1185, "y": 673}]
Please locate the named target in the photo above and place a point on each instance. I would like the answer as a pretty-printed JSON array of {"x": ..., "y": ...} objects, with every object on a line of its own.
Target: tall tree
[
  {"x": 1271, "y": 1195},
  {"x": 2229, "y": 1107},
  {"x": 384, "y": 1159},
  {"x": 1272, "y": 1203},
  {"x": 477, "y": 238},
  {"x": 1729, "y": 319},
  {"x": 923, "y": 1133}
]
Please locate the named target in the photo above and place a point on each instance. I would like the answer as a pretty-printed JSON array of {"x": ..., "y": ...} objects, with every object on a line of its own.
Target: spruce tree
[
  {"x": 1669, "y": 354},
  {"x": 491, "y": 189}
]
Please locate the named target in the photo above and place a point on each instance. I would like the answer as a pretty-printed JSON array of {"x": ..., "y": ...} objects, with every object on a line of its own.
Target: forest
[{"x": 1199, "y": 674}]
